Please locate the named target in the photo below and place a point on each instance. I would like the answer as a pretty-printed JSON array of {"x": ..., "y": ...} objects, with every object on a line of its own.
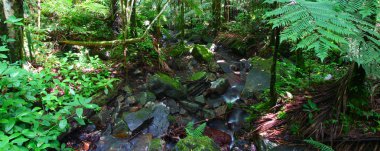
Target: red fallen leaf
[{"x": 220, "y": 137}]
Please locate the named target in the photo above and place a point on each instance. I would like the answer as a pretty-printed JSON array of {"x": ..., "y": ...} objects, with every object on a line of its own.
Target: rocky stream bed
[{"x": 151, "y": 110}]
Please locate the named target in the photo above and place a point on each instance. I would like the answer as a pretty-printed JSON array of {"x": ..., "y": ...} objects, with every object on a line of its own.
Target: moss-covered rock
[
  {"x": 155, "y": 145},
  {"x": 203, "y": 143},
  {"x": 198, "y": 75},
  {"x": 179, "y": 50},
  {"x": 202, "y": 53},
  {"x": 163, "y": 85}
]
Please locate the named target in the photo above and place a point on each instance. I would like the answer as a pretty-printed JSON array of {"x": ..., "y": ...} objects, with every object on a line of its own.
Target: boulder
[
  {"x": 202, "y": 53},
  {"x": 160, "y": 122},
  {"x": 200, "y": 99},
  {"x": 136, "y": 119},
  {"x": 120, "y": 130},
  {"x": 173, "y": 106},
  {"x": 190, "y": 106},
  {"x": 219, "y": 86},
  {"x": 144, "y": 97},
  {"x": 257, "y": 81},
  {"x": 163, "y": 85},
  {"x": 153, "y": 119}
]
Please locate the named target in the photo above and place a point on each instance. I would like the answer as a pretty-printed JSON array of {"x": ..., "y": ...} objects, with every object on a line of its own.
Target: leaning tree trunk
[{"x": 14, "y": 8}]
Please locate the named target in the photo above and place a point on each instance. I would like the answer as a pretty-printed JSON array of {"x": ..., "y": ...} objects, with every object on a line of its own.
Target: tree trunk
[
  {"x": 227, "y": 10},
  {"x": 273, "y": 93},
  {"x": 216, "y": 9},
  {"x": 14, "y": 8},
  {"x": 134, "y": 20},
  {"x": 182, "y": 24}
]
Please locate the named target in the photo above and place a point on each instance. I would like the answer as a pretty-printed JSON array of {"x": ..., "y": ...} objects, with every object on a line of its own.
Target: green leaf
[
  {"x": 10, "y": 124},
  {"x": 19, "y": 141},
  {"x": 105, "y": 90},
  {"x": 13, "y": 20},
  {"x": 80, "y": 120},
  {"x": 3, "y": 67},
  {"x": 28, "y": 133},
  {"x": 3, "y": 48},
  {"x": 63, "y": 123},
  {"x": 3, "y": 56},
  {"x": 4, "y": 140},
  {"x": 79, "y": 112}
]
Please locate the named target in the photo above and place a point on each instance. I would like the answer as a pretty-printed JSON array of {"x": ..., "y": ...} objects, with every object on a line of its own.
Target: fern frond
[
  {"x": 197, "y": 132},
  {"x": 318, "y": 145}
]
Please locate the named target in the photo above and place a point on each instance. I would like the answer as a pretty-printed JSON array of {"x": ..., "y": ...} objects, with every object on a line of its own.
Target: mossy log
[{"x": 102, "y": 43}]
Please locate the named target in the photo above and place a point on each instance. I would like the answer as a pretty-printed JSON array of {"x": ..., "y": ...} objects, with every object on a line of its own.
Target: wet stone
[
  {"x": 160, "y": 122},
  {"x": 120, "y": 130},
  {"x": 221, "y": 110},
  {"x": 215, "y": 102},
  {"x": 257, "y": 81},
  {"x": 144, "y": 97},
  {"x": 120, "y": 98},
  {"x": 127, "y": 90},
  {"x": 182, "y": 111},
  {"x": 136, "y": 119},
  {"x": 141, "y": 143},
  {"x": 131, "y": 100},
  {"x": 110, "y": 143},
  {"x": 208, "y": 114},
  {"x": 189, "y": 106},
  {"x": 173, "y": 106},
  {"x": 200, "y": 99},
  {"x": 219, "y": 86}
]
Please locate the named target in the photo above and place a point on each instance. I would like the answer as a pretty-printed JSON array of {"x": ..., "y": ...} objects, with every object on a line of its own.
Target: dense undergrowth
[{"x": 38, "y": 104}]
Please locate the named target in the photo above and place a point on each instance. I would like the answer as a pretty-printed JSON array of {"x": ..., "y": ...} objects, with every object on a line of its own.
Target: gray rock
[
  {"x": 219, "y": 86},
  {"x": 141, "y": 143},
  {"x": 190, "y": 106},
  {"x": 127, "y": 90},
  {"x": 173, "y": 106},
  {"x": 215, "y": 102},
  {"x": 221, "y": 110},
  {"x": 102, "y": 118},
  {"x": 200, "y": 99},
  {"x": 111, "y": 143},
  {"x": 257, "y": 81},
  {"x": 182, "y": 111},
  {"x": 120, "y": 98},
  {"x": 158, "y": 114},
  {"x": 163, "y": 85},
  {"x": 120, "y": 130},
  {"x": 131, "y": 100},
  {"x": 136, "y": 119},
  {"x": 160, "y": 122},
  {"x": 208, "y": 114},
  {"x": 144, "y": 97}
]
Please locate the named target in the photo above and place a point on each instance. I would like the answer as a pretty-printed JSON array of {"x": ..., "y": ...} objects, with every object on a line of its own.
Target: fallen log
[{"x": 102, "y": 43}]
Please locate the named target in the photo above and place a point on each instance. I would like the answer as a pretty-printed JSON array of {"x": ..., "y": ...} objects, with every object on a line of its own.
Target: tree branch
[{"x": 116, "y": 42}]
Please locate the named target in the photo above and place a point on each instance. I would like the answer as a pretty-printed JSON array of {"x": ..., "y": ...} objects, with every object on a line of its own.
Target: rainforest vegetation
[{"x": 190, "y": 75}]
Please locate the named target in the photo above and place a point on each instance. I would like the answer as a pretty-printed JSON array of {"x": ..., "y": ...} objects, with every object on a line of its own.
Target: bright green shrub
[{"x": 36, "y": 107}]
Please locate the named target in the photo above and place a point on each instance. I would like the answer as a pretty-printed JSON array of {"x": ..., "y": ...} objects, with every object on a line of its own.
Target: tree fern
[
  {"x": 324, "y": 26},
  {"x": 318, "y": 145},
  {"x": 195, "y": 132}
]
